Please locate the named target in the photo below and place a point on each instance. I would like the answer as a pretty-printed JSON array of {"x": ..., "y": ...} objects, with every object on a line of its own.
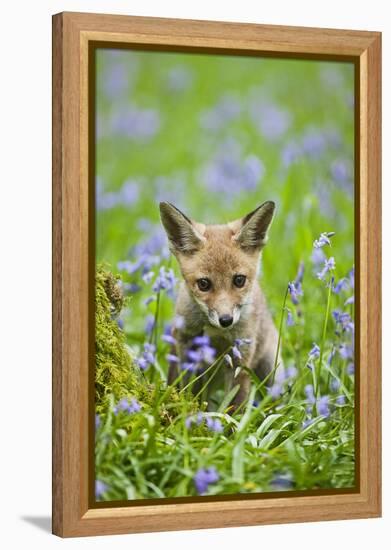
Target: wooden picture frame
[{"x": 74, "y": 513}]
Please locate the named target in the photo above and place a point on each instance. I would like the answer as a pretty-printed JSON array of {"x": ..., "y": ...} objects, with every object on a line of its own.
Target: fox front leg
[{"x": 242, "y": 378}]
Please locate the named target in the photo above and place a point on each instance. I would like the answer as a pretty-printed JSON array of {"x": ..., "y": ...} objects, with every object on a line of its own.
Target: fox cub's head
[{"x": 219, "y": 263}]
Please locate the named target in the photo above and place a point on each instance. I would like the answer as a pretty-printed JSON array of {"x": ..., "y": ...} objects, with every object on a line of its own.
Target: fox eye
[
  {"x": 239, "y": 280},
  {"x": 204, "y": 284}
]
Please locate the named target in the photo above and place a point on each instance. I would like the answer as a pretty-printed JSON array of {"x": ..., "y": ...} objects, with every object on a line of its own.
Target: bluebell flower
[
  {"x": 135, "y": 123},
  {"x": 147, "y": 357},
  {"x": 314, "y": 352},
  {"x": 189, "y": 366},
  {"x": 318, "y": 256},
  {"x": 309, "y": 392},
  {"x": 225, "y": 111},
  {"x": 149, "y": 324},
  {"x": 350, "y": 368},
  {"x": 236, "y": 352},
  {"x": 97, "y": 422},
  {"x": 275, "y": 391},
  {"x": 322, "y": 406},
  {"x": 169, "y": 339},
  {"x": 291, "y": 153},
  {"x": 116, "y": 80},
  {"x": 147, "y": 277},
  {"x": 323, "y": 240},
  {"x": 341, "y": 400},
  {"x": 295, "y": 290},
  {"x": 100, "y": 488},
  {"x": 203, "y": 340},
  {"x": 289, "y": 319},
  {"x": 242, "y": 342},
  {"x": 349, "y": 301},
  {"x": 179, "y": 79},
  {"x": 228, "y": 174},
  {"x": 322, "y": 403},
  {"x": 282, "y": 482},
  {"x": 205, "y": 477},
  {"x": 131, "y": 288},
  {"x": 130, "y": 407},
  {"x": 214, "y": 424},
  {"x": 345, "y": 351},
  {"x": 342, "y": 284},
  {"x": 179, "y": 321},
  {"x": 335, "y": 384},
  {"x": 165, "y": 281},
  {"x": 329, "y": 265},
  {"x": 171, "y": 358},
  {"x": 343, "y": 320},
  {"x": 314, "y": 143},
  {"x": 271, "y": 121},
  {"x": 129, "y": 192}
]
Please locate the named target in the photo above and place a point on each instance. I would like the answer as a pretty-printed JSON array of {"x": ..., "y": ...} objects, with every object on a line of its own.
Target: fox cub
[{"x": 220, "y": 295}]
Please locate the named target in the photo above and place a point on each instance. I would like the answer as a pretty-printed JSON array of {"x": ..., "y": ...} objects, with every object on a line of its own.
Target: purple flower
[
  {"x": 179, "y": 321},
  {"x": 201, "y": 340},
  {"x": 342, "y": 284},
  {"x": 149, "y": 323},
  {"x": 236, "y": 352},
  {"x": 179, "y": 79},
  {"x": 100, "y": 488},
  {"x": 322, "y": 406},
  {"x": 335, "y": 384},
  {"x": 345, "y": 351},
  {"x": 242, "y": 342},
  {"x": 313, "y": 142},
  {"x": 205, "y": 477},
  {"x": 275, "y": 391},
  {"x": 349, "y": 301},
  {"x": 341, "y": 400},
  {"x": 329, "y": 265},
  {"x": 147, "y": 357},
  {"x": 350, "y": 368},
  {"x": 318, "y": 256},
  {"x": 323, "y": 240},
  {"x": 172, "y": 358},
  {"x": 343, "y": 320},
  {"x": 295, "y": 290},
  {"x": 309, "y": 392},
  {"x": 271, "y": 121},
  {"x": 228, "y": 173},
  {"x": 289, "y": 319},
  {"x": 134, "y": 123},
  {"x": 314, "y": 352},
  {"x": 214, "y": 424},
  {"x": 166, "y": 281},
  {"x": 291, "y": 153},
  {"x": 97, "y": 422},
  {"x": 130, "y": 407},
  {"x": 224, "y": 112},
  {"x": 281, "y": 482},
  {"x": 169, "y": 339},
  {"x": 189, "y": 367}
]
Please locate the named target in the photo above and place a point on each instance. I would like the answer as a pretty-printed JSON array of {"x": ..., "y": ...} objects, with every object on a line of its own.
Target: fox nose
[{"x": 225, "y": 320}]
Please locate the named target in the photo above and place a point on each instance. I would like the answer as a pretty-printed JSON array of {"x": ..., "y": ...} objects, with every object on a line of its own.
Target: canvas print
[{"x": 224, "y": 276}]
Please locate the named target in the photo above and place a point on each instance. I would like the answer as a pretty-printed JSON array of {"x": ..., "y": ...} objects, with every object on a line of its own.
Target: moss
[{"x": 116, "y": 374}]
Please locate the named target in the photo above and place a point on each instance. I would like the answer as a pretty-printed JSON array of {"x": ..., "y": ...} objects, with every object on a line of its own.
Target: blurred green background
[{"x": 217, "y": 136}]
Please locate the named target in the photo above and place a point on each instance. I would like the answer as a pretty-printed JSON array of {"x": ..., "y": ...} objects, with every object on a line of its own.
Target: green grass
[{"x": 152, "y": 453}]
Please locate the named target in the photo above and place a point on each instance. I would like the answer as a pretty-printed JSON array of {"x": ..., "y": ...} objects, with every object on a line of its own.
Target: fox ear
[
  {"x": 182, "y": 234},
  {"x": 254, "y": 227}
]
